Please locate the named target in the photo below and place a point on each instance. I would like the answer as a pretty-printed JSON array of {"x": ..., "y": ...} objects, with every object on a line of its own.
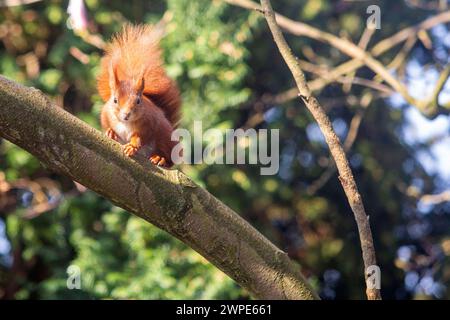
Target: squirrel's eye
[
  {"x": 138, "y": 100},
  {"x": 115, "y": 100}
]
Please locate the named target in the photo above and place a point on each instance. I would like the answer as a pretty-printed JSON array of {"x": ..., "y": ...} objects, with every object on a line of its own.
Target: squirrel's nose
[{"x": 126, "y": 116}]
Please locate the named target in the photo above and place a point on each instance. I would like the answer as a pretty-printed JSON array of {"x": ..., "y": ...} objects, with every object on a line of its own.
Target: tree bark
[{"x": 165, "y": 198}]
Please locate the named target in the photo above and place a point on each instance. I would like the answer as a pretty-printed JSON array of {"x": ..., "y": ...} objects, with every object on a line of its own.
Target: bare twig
[
  {"x": 338, "y": 153},
  {"x": 79, "y": 55},
  {"x": 400, "y": 58},
  {"x": 350, "y": 79},
  {"x": 428, "y": 5},
  {"x": 436, "y": 198},
  {"x": 363, "y": 43},
  {"x": 426, "y": 106},
  {"x": 360, "y": 56},
  {"x": 357, "y": 119},
  {"x": 13, "y": 3},
  {"x": 348, "y": 143}
]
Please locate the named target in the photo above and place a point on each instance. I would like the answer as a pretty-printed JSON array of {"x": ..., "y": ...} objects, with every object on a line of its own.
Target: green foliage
[
  {"x": 207, "y": 52},
  {"x": 121, "y": 257}
]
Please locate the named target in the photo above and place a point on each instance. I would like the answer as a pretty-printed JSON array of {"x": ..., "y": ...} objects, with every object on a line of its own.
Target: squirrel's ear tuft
[
  {"x": 140, "y": 85},
  {"x": 113, "y": 79}
]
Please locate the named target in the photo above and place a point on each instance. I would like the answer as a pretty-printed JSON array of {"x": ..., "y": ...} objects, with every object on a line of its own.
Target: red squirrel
[{"x": 142, "y": 104}]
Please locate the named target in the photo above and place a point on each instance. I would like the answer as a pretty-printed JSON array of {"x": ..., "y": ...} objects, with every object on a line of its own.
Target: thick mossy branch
[{"x": 165, "y": 198}]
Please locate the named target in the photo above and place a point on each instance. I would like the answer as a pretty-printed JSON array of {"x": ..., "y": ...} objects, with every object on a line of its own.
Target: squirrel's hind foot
[{"x": 158, "y": 161}]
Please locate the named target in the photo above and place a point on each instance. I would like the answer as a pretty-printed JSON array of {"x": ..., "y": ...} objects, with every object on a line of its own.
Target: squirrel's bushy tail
[{"x": 135, "y": 52}]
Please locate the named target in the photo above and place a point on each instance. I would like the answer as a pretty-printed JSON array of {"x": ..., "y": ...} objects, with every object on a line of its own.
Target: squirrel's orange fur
[{"x": 142, "y": 104}]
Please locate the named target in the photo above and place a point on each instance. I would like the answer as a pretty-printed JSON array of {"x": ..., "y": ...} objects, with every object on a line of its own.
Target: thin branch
[
  {"x": 443, "y": 77},
  {"x": 13, "y": 3},
  {"x": 348, "y": 144},
  {"x": 350, "y": 79},
  {"x": 436, "y": 198},
  {"x": 363, "y": 43},
  {"x": 360, "y": 56},
  {"x": 165, "y": 198},
  {"x": 338, "y": 153},
  {"x": 428, "y": 5},
  {"x": 357, "y": 120},
  {"x": 401, "y": 36},
  {"x": 426, "y": 106},
  {"x": 400, "y": 58}
]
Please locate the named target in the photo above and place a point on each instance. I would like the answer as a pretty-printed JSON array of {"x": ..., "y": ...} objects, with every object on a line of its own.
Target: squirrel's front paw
[
  {"x": 111, "y": 134},
  {"x": 130, "y": 150},
  {"x": 158, "y": 160}
]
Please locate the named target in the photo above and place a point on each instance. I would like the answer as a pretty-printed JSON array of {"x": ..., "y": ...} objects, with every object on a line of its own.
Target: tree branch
[
  {"x": 323, "y": 72},
  {"x": 363, "y": 43},
  {"x": 434, "y": 199},
  {"x": 348, "y": 144},
  {"x": 427, "y": 106},
  {"x": 13, "y": 3},
  {"x": 165, "y": 198},
  {"x": 338, "y": 153}
]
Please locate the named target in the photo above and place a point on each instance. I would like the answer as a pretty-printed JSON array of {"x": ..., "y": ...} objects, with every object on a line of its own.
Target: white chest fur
[{"x": 123, "y": 131}]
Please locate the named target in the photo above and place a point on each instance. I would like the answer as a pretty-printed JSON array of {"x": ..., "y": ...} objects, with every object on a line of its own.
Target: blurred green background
[{"x": 229, "y": 71}]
